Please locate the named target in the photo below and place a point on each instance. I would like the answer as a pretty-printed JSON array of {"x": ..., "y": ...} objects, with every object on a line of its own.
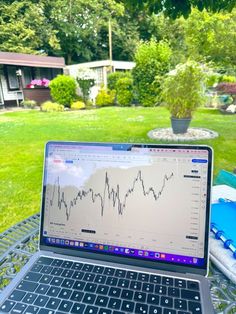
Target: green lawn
[{"x": 23, "y": 135}]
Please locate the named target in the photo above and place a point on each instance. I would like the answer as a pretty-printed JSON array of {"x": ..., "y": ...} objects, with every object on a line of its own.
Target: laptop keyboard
[{"x": 59, "y": 286}]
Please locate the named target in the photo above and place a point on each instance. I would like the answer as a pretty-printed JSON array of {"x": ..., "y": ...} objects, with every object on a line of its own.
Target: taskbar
[{"x": 125, "y": 251}]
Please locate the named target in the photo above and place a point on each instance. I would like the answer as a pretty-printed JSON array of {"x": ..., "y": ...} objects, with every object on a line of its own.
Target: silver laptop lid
[{"x": 140, "y": 204}]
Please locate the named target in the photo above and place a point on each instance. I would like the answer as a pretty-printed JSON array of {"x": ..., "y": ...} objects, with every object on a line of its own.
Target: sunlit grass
[{"x": 24, "y": 134}]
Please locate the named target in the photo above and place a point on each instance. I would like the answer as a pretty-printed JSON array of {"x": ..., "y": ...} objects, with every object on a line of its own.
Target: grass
[{"x": 23, "y": 136}]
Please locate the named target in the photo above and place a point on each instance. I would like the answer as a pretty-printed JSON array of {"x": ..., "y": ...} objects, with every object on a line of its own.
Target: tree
[
  {"x": 177, "y": 8},
  {"x": 152, "y": 62}
]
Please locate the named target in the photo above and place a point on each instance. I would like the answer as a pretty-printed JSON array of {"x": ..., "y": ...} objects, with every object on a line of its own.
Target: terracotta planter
[{"x": 180, "y": 126}]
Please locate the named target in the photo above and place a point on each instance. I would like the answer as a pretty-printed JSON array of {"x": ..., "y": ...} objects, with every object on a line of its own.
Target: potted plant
[{"x": 183, "y": 92}]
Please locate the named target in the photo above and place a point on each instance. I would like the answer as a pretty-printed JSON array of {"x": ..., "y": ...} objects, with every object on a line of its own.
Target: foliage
[
  {"x": 105, "y": 97},
  {"x": 182, "y": 90},
  {"x": 63, "y": 89},
  {"x": 112, "y": 78},
  {"x": 175, "y": 9},
  {"x": 24, "y": 28},
  {"x": 152, "y": 61},
  {"x": 77, "y": 105},
  {"x": 85, "y": 79},
  {"x": 27, "y": 103},
  {"x": 227, "y": 78},
  {"x": 49, "y": 106},
  {"x": 124, "y": 87}
]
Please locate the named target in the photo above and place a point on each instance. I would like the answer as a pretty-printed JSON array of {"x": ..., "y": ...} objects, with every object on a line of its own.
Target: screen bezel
[{"x": 112, "y": 257}]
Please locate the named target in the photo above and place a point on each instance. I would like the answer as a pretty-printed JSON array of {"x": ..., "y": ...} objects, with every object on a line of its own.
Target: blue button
[{"x": 201, "y": 161}]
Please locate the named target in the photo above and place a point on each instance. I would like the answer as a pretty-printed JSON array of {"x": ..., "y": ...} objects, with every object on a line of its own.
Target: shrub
[
  {"x": 105, "y": 97},
  {"x": 86, "y": 80},
  {"x": 114, "y": 77},
  {"x": 227, "y": 79},
  {"x": 152, "y": 62},
  {"x": 63, "y": 90},
  {"x": 77, "y": 105},
  {"x": 124, "y": 88},
  {"x": 49, "y": 106},
  {"x": 27, "y": 103}
]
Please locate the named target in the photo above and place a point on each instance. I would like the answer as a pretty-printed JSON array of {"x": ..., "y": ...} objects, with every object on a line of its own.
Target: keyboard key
[
  {"x": 123, "y": 283},
  {"x": 41, "y": 300},
  {"x": 89, "y": 277},
  {"x": 67, "y": 264},
  {"x": 19, "y": 308},
  {"x": 168, "y": 281},
  {"x": 161, "y": 289},
  {"x": 168, "y": 311},
  {"x": 193, "y": 285},
  {"x": 42, "y": 289},
  {"x": 140, "y": 296},
  {"x": 141, "y": 308},
  {"x": 111, "y": 281},
  {"x": 100, "y": 279},
  {"x": 89, "y": 298},
  {"x": 120, "y": 273},
  {"x": 57, "y": 262},
  {"x": 87, "y": 267},
  {"x": 67, "y": 273},
  {"x": 57, "y": 281},
  {"x": 104, "y": 311},
  {"x": 91, "y": 310},
  {"x": 32, "y": 276},
  {"x": 65, "y": 294},
  {"x": 65, "y": 306},
  {"x": 77, "y": 266},
  {"x": 45, "y": 260},
  {"x": 90, "y": 287},
  {"x": 127, "y": 306},
  {"x": 143, "y": 277},
  {"x": 67, "y": 283},
  {"x": 101, "y": 289},
  {"x": 180, "y": 304},
  {"x": 31, "y": 309},
  {"x": 166, "y": 302},
  {"x": 78, "y": 275},
  {"x": 46, "y": 269},
  {"x": 173, "y": 292},
  {"x": 7, "y": 306},
  {"x": 30, "y": 298},
  {"x": 27, "y": 285},
  {"x": 101, "y": 300},
  {"x": 98, "y": 269},
  {"x": 45, "y": 311},
  {"x": 57, "y": 271},
  {"x": 190, "y": 295},
  {"x": 109, "y": 271},
  {"x": 180, "y": 283},
  {"x": 53, "y": 303},
  {"x": 127, "y": 294},
  {"x": 37, "y": 267},
  {"x": 114, "y": 304},
  {"x": 17, "y": 295},
  {"x": 114, "y": 292},
  {"x": 148, "y": 287},
  {"x": 46, "y": 279},
  {"x": 77, "y": 296},
  {"x": 53, "y": 291},
  {"x": 135, "y": 285},
  {"x": 155, "y": 310},
  {"x": 153, "y": 299},
  {"x": 195, "y": 307},
  {"x": 131, "y": 275},
  {"x": 155, "y": 279},
  {"x": 79, "y": 285},
  {"x": 78, "y": 308}
]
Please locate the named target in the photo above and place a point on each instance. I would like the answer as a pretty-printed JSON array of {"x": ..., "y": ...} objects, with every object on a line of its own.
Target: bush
[
  {"x": 105, "y": 97},
  {"x": 27, "y": 103},
  {"x": 152, "y": 62},
  {"x": 63, "y": 90},
  {"x": 124, "y": 88},
  {"x": 227, "y": 79},
  {"x": 49, "y": 106},
  {"x": 112, "y": 78},
  {"x": 77, "y": 105}
]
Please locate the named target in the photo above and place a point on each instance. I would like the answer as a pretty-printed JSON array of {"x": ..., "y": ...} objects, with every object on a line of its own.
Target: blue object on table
[
  {"x": 223, "y": 223},
  {"x": 225, "y": 177}
]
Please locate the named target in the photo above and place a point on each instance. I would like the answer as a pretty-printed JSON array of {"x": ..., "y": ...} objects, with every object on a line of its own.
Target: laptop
[{"x": 124, "y": 229}]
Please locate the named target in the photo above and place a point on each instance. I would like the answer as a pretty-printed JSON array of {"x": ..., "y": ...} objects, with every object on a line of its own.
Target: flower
[{"x": 38, "y": 82}]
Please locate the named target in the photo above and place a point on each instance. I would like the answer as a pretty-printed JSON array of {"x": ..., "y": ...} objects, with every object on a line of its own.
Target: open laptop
[{"x": 124, "y": 229}]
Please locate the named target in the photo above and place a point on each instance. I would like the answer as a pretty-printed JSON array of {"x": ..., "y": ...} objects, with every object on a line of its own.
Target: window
[
  {"x": 12, "y": 79},
  {"x": 27, "y": 75}
]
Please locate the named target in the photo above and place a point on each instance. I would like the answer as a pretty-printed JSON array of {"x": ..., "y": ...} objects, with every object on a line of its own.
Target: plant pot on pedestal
[{"x": 180, "y": 126}]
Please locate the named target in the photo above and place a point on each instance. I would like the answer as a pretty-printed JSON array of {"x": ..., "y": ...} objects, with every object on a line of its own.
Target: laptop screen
[{"x": 147, "y": 202}]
